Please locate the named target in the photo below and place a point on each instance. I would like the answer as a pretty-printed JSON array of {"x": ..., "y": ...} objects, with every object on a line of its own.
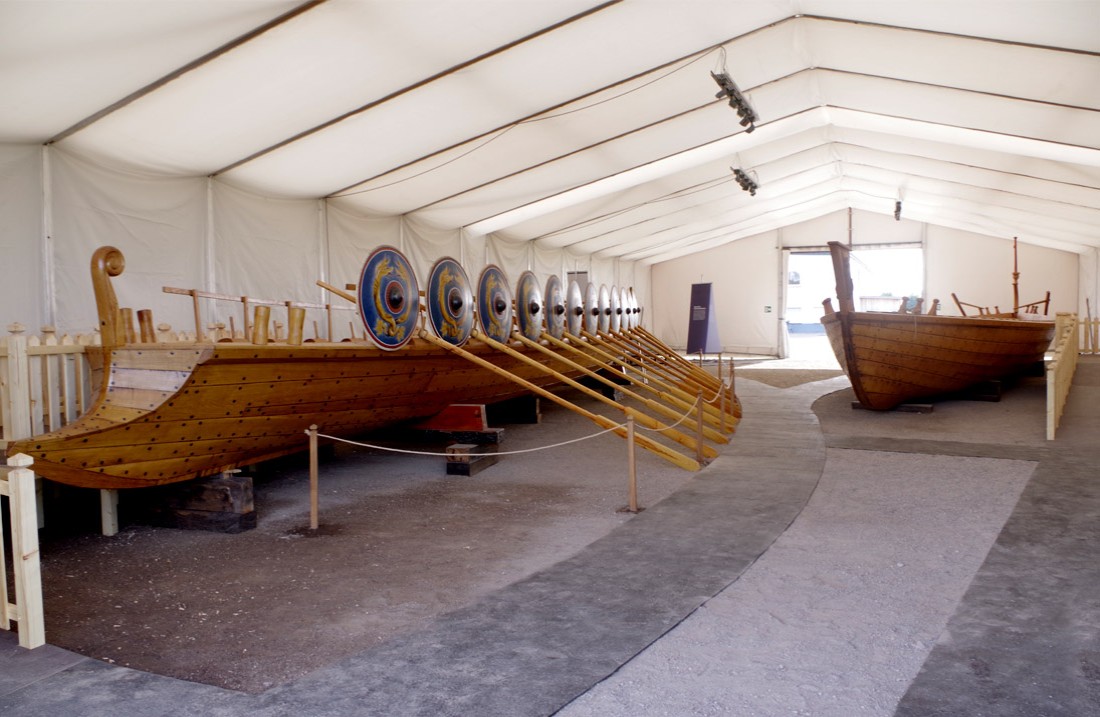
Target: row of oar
[
  {"x": 641, "y": 368},
  {"x": 660, "y": 379}
]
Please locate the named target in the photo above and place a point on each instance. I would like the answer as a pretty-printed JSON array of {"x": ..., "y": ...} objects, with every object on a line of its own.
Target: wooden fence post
[
  {"x": 27, "y": 610},
  {"x": 17, "y": 399}
]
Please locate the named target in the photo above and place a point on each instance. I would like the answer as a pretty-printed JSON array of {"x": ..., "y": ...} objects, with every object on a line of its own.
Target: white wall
[
  {"x": 744, "y": 278},
  {"x": 978, "y": 269},
  {"x": 745, "y": 275}
]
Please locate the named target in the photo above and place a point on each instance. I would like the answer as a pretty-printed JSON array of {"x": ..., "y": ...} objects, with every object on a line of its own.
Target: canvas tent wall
[{"x": 255, "y": 146}]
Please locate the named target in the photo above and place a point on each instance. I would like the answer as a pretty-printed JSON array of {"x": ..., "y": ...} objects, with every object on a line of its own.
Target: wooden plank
[
  {"x": 159, "y": 358},
  {"x": 159, "y": 380}
]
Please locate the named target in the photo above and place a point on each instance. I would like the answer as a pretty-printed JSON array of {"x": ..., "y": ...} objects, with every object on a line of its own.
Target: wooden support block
[
  {"x": 457, "y": 417},
  {"x": 221, "y": 504},
  {"x": 227, "y": 493},
  {"x": 467, "y": 459},
  {"x": 108, "y": 511},
  {"x": 984, "y": 391},
  {"x": 212, "y": 521},
  {"x": 901, "y": 408},
  {"x": 488, "y": 437},
  {"x": 521, "y": 409}
]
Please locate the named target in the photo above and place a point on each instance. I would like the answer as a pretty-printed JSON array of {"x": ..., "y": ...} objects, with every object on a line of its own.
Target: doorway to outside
[{"x": 882, "y": 277}]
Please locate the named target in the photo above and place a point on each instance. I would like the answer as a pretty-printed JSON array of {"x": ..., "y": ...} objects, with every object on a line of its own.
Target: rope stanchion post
[
  {"x": 314, "y": 522},
  {"x": 631, "y": 471},
  {"x": 699, "y": 428},
  {"x": 722, "y": 402}
]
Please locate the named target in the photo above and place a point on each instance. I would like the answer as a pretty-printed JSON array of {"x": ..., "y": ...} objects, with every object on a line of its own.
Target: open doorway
[{"x": 882, "y": 278}]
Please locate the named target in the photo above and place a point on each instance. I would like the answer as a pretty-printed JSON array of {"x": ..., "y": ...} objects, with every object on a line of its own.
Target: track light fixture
[
  {"x": 745, "y": 181},
  {"x": 897, "y": 211},
  {"x": 737, "y": 100}
]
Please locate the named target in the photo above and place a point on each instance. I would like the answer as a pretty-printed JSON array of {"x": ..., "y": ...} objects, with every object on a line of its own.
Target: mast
[{"x": 1015, "y": 280}]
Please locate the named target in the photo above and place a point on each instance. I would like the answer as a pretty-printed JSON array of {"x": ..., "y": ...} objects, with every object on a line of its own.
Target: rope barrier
[
  {"x": 498, "y": 453},
  {"x": 669, "y": 428}
]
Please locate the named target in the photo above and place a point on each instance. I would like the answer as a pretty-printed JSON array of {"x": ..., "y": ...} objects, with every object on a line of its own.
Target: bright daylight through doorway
[{"x": 882, "y": 277}]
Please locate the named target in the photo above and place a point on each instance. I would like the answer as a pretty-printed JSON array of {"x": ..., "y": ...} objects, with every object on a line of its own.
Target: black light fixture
[
  {"x": 747, "y": 183},
  {"x": 737, "y": 100},
  {"x": 897, "y": 211}
]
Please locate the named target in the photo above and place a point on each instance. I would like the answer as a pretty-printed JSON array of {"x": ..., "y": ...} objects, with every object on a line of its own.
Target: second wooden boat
[{"x": 891, "y": 358}]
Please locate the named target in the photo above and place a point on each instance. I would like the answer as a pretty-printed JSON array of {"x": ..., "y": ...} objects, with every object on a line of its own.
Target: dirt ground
[{"x": 400, "y": 542}]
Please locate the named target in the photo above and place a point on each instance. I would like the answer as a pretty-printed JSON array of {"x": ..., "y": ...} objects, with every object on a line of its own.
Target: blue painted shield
[
  {"x": 555, "y": 307},
  {"x": 529, "y": 307},
  {"x": 389, "y": 300},
  {"x": 494, "y": 304},
  {"x": 450, "y": 302}
]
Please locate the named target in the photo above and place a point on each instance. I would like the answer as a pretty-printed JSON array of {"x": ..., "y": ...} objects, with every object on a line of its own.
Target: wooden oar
[
  {"x": 682, "y": 400},
  {"x": 703, "y": 376},
  {"x": 671, "y": 381},
  {"x": 668, "y": 454},
  {"x": 642, "y": 418},
  {"x": 696, "y": 371},
  {"x": 658, "y": 364},
  {"x": 652, "y": 405}
]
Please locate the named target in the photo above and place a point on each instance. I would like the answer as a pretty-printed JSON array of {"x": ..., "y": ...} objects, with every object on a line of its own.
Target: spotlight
[
  {"x": 737, "y": 100},
  {"x": 745, "y": 181},
  {"x": 897, "y": 211}
]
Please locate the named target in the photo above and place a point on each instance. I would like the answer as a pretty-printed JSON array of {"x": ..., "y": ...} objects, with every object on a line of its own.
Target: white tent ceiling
[{"x": 584, "y": 125}]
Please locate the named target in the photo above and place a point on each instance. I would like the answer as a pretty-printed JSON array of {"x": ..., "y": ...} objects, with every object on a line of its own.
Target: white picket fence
[{"x": 45, "y": 381}]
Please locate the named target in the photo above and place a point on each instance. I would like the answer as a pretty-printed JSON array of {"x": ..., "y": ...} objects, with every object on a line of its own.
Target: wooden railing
[
  {"x": 45, "y": 381},
  {"x": 1089, "y": 336},
  {"x": 17, "y": 484},
  {"x": 1060, "y": 369}
]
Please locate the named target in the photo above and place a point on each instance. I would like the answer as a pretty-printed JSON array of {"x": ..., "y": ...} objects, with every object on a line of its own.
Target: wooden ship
[
  {"x": 892, "y": 358},
  {"x": 171, "y": 411}
]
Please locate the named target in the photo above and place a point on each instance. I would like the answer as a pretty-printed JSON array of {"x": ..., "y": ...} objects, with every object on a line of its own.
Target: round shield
[
  {"x": 450, "y": 302},
  {"x": 574, "y": 309},
  {"x": 555, "y": 307},
  {"x": 591, "y": 308},
  {"x": 529, "y": 306},
  {"x": 616, "y": 310},
  {"x": 605, "y": 308},
  {"x": 389, "y": 300},
  {"x": 494, "y": 304},
  {"x": 624, "y": 307},
  {"x": 635, "y": 311}
]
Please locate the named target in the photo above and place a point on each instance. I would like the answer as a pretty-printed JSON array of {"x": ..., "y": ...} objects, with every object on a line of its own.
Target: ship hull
[
  {"x": 171, "y": 412},
  {"x": 894, "y": 358}
]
